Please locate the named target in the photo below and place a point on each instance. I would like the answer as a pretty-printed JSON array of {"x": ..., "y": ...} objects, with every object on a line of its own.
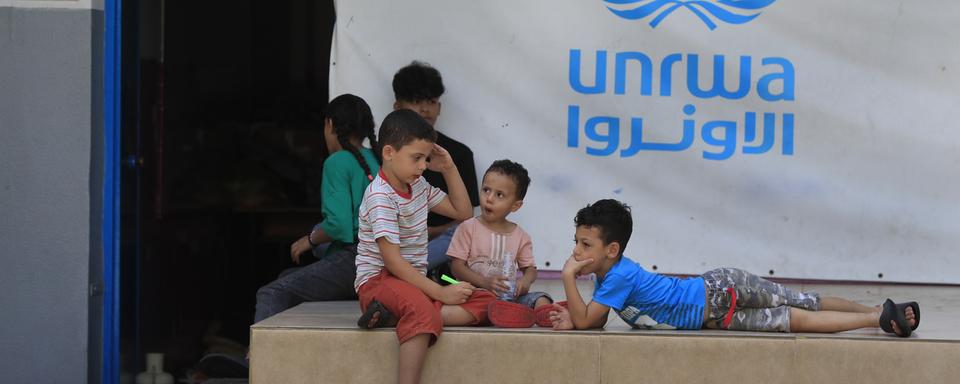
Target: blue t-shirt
[{"x": 648, "y": 300}]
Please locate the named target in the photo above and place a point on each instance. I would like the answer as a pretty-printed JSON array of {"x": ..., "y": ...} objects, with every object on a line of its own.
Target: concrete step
[{"x": 320, "y": 343}]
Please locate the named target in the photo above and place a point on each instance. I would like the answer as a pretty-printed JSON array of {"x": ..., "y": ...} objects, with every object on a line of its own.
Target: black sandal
[
  {"x": 895, "y": 312},
  {"x": 385, "y": 320}
]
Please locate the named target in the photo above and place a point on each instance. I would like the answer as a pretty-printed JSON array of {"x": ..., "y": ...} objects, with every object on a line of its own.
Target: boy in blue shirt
[{"x": 725, "y": 298}]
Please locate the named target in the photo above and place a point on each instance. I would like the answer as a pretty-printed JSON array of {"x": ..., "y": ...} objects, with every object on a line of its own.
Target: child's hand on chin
[{"x": 574, "y": 267}]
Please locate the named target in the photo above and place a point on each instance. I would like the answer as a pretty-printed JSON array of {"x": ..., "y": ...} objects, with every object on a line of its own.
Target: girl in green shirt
[{"x": 346, "y": 173}]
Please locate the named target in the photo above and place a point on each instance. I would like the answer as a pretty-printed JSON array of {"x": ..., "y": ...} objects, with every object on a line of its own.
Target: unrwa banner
[{"x": 806, "y": 139}]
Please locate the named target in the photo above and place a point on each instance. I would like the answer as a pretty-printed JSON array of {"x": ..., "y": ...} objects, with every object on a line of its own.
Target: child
[
  {"x": 488, "y": 248},
  {"x": 418, "y": 87},
  {"x": 392, "y": 251},
  {"x": 346, "y": 173},
  {"x": 725, "y": 298}
]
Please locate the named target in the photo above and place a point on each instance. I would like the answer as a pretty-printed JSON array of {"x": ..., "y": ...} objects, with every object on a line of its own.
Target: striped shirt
[{"x": 401, "y": 218}]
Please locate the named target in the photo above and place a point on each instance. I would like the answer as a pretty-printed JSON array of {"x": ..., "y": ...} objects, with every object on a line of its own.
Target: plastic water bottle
[{"x": 509, "y": 271}]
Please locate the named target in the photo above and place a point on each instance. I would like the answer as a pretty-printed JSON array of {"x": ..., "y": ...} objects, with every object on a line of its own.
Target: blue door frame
[{"x": 110, "y": 355}]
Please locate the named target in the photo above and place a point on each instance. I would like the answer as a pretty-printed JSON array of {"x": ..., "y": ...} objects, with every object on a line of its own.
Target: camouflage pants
[{"x": 762, "y": 305}]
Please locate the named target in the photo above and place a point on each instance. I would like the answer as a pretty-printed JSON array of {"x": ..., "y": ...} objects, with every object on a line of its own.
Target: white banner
[{"x": 807, "y": 139}]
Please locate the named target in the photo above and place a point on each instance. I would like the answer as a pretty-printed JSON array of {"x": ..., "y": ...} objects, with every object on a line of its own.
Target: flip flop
[
  {"x": 385, "y": 320},
  {"x": 894, "y": 311}
]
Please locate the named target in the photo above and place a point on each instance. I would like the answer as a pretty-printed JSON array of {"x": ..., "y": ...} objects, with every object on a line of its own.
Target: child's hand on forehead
[{"x": 440, "y": 159}]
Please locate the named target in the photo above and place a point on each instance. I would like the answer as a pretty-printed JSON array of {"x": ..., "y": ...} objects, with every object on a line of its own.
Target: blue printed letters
[{"x": 634, "y": 73}]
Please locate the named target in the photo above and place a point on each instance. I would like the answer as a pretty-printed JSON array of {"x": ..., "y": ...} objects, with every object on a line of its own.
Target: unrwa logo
[{"x": 728, "y": 11}]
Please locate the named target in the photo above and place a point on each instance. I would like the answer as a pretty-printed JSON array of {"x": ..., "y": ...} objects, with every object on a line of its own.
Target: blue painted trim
[{"x": 111, "y": 193}]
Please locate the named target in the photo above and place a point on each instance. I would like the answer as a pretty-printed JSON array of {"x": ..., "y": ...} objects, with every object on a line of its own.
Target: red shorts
[{"x": 416, "y": 312}]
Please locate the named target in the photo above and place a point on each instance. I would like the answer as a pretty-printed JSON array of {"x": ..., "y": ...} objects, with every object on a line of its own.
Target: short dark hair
[
  {"x": 611, "y": 217},
  {"x": 417, "y": 81},
  {"x": 403, "y": 126},
  {"x": 514, "y": 171}
]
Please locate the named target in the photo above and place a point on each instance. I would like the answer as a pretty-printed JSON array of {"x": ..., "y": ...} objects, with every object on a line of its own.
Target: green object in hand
[{"x": 449, "y": 279}]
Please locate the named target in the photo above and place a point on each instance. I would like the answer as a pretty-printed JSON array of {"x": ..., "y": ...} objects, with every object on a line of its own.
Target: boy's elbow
[
  {"x": 581, "y": 325},
  {"x": 586, "y": 323},
  {"x": 462, "y": 213}
]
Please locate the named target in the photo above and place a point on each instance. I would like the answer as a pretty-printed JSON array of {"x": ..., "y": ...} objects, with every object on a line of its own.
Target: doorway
[{"x": 221, "y": 149}]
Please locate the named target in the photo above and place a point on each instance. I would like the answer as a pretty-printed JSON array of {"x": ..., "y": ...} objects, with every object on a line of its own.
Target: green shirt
[{"x": 341, "y": 189}]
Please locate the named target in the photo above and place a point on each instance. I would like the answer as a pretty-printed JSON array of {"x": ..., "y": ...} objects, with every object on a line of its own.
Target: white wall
[{"x": 868, "y": 186}]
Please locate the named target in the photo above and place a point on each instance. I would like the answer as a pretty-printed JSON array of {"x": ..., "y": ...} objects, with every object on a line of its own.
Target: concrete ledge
[{"x": 319, "y": 343}]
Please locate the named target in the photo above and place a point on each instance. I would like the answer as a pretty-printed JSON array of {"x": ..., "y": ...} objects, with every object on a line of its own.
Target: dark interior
[{"x": 223, "y": 146}]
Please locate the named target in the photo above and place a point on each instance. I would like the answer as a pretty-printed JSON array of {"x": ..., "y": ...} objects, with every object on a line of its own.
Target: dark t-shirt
[{"x": 463, "y": 158}]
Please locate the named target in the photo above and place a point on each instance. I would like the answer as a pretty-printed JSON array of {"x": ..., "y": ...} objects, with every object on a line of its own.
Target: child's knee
[
  {"x": 542, "y": 300},
  {"x": 535, "y": 299},
  {"x": 267, "y": 293},
  {"x": 797, "y": 319},
  {"x": 423, "y": 316},
  {"x": 810, "y": 301},
  {"x": 434, "y": 319},
  {"x": 418, "y": 323}
]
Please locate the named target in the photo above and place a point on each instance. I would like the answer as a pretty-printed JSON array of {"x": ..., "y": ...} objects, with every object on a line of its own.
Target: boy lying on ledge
[{"x": 724, "y": 298}]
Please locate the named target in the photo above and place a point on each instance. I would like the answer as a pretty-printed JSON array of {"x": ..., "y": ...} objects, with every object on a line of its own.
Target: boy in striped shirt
[{"x": 392, "y": 248}]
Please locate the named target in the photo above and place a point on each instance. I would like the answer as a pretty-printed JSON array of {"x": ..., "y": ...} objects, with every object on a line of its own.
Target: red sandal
[{"x": 505, "y": 314}]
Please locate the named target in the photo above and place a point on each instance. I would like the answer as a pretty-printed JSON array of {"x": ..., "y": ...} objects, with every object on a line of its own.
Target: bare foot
[
  {"x": 376, "y": 316},
  {"x": 373, "y": 320}
]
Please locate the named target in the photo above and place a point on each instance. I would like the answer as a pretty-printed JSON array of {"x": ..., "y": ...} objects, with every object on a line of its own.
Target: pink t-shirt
[{"x": 486, "y": 251}]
